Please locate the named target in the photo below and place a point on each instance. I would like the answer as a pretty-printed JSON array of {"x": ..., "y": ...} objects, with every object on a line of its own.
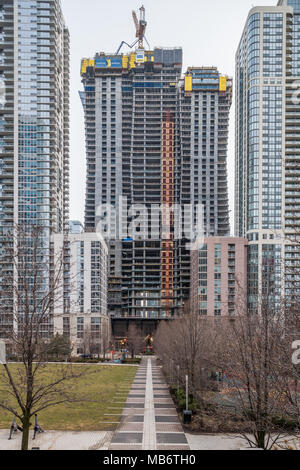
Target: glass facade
[
  {"x": 272, "y": 44},
  {"x": 34, "y": 119},
  {"x": 40, "y": 143},
  {"x": 253, "y": 160},
  {"x": 295, "y": 4},
  {"x": 271, "y": 275},
  {"x": 272, "y": 158},
  {"x": 260, "y": 150}
]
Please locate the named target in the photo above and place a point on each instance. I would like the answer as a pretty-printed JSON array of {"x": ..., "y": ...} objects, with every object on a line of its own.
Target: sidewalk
[
  {"x": 59, "y": 440},
  {"x": 150, "y": 420}
]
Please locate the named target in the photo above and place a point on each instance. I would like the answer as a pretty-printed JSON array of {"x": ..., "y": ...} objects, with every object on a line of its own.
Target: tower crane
[{"x": 140, "y": 31}]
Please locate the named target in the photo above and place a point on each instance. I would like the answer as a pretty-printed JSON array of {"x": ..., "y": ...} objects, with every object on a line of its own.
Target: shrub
[
  {"x": 80, "y": 360},
  {"x": 181, "y": 399},
  {"x": 131, "y": 361},
  {"x": 285, "y": 422}
]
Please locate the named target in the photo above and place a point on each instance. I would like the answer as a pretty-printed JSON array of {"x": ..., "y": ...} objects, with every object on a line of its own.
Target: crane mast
[{"x": 140, "y": 26}]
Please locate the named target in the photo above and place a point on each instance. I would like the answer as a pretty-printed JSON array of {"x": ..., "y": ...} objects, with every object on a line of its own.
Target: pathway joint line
[{"x": 149, "y": 435}]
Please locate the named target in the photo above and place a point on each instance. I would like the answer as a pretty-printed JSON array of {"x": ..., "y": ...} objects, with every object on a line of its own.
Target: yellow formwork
[
  {"x": 188, "y": 83},
  {"x": 223, "y": 84},
  {"x": 132, "y": 60},
  {"x": 125, "y": 61},
  {"x": 149, "y": 57},
  {"x": 86, "y": 63}
]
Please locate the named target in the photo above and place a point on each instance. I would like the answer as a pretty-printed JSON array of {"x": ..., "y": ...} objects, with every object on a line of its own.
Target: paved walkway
[
  {"x": 59, "y": 440},
  {"x": 150, "y": 420}
]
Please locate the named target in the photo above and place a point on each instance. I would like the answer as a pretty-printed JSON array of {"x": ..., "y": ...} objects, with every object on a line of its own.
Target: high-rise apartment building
[
  {"x": 153, "y": 138},
  {"x": 82, "y": 315},
  {"x": 219, "y": 277},
  {"x": 267, "y": 145},
  {"x": 84, "y": 276},
  {"x": 34, "y": 117},
  {"x": 75, "y": 226}
]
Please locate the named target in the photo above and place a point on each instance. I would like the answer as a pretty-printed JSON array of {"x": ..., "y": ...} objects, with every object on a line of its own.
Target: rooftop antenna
[{"x": 140, "y": 27}]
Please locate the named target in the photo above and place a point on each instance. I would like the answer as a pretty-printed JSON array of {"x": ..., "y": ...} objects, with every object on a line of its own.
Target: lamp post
[
  {"x": 3, "y": 359},
  {"x": 2, "y": 353},
  {"x": 187, "y": 414},
  {"x": 187, "y": 392}
]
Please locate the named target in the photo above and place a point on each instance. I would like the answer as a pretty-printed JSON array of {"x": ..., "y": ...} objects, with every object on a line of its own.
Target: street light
[
  {"x": 3, "y": 359},
  {"x": 2, "y": 353}
]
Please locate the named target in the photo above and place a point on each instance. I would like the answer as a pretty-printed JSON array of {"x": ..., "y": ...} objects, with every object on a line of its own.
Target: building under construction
[{"x": 154, "y": 138}]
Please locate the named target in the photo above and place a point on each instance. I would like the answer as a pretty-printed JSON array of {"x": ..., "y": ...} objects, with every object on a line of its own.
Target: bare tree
[
  {"x": 135, "y": 340},
  {"x": 251, "y": 359},
  {"x": 285, "y": 364},
  {"x": 87, "y": 342},
  {"x": 106, "y": 338},
  {"x": 252, "y": 351},
  {"x": 290, "y": 306},
  {"x": 185, "y": 344},
  {"x": 30, "y": 279}
]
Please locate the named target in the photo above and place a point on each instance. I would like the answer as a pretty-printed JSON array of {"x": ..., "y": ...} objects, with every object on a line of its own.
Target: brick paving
[{"x": 149, "y": 420}]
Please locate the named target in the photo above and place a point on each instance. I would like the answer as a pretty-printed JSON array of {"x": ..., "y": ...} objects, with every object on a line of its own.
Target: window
[{"x": 80, "y": 328}]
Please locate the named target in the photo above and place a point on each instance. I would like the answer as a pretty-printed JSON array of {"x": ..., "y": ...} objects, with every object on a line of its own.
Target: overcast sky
[{"x": 208, "y": 32}]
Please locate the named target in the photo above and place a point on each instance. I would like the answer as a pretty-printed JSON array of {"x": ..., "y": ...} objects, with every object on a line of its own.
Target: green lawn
[{"x": 98, "y": 390}]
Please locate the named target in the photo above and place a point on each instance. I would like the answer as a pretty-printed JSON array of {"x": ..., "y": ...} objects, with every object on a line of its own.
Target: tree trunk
[
  {"x": 26, "y": 428},
  {"x": 260, "y": 439}
]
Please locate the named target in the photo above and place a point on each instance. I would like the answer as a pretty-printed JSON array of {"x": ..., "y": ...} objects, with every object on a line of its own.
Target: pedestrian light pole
[
  {"x": 4, "y": 363},
  {"x": 187, "y": 392},
  {"x": 3, "y": 359},
  {"x": 187, "y": 414},
  {"x": 2, "y": 353}
]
